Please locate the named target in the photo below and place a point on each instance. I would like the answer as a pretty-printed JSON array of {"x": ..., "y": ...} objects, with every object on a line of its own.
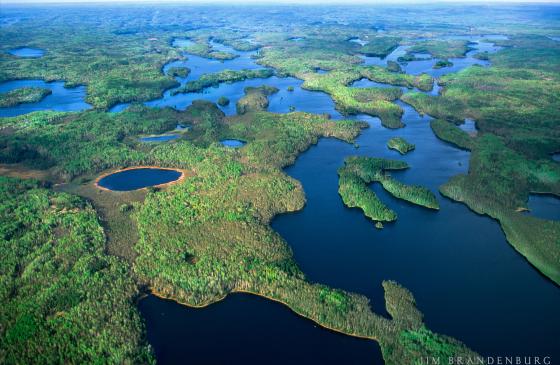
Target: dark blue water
[
  {"x": 245, "y": 329},
  {"x": 468, "y": 281},
  {"x": 27, "y": 52},
  {"x": 134, "y": 179},
  {"x": 233, "y": 143},
  {"x": 61, "y": 99},
  {"x": 162, "y": 138},
  {"x": 544, "y": 206}
]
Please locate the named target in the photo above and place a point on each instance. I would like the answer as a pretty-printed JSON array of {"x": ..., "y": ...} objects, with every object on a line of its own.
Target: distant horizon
[{"x": 280, "y": 2}]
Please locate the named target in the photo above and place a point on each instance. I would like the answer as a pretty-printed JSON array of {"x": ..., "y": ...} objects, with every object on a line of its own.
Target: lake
[
  {"x": 246, "y": 329},
  {"x": 27, "y": 52},
  {"x": 62, "y": 99},
  {"x": 138, "y": 178}
]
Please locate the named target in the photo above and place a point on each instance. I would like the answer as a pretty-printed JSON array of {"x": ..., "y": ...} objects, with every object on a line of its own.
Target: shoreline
[
  {"x": 241, "y": 291},
  {"x": 184, "y": 174}
]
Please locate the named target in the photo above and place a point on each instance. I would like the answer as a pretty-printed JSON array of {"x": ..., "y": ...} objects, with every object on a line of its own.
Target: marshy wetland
[{"x": 388, "y": 203}]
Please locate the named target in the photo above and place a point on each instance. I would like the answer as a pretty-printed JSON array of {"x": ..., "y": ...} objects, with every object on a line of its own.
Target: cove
[
  {"x": 62, "y": 99},
  {"x": 138, "y": 178},
  {"x": 246, "y": 329},
  {"x": 26, "y": 52}
]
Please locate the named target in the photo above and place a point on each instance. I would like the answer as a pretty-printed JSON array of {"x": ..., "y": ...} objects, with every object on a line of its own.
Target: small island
[
  {"x": 353, "y": 186},
  {"x": 179, "y": 71},
  {"x": 255, "y": 99},
  {"x": 23, "y": 95},
  {"x": 442, "y": 64},
  {"x": 223, "y": 101},
  {"x": 401, "y": 145}
]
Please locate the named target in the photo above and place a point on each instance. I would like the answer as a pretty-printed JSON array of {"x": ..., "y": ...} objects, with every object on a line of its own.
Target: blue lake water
[
  {"x": 544, "y": 206},
  {"x": 27, "y": 52},
  {"x": 468, "y": 281},
  {"x": 134, "y": 179},
  {"x": 61, "y": 99},
  {"x": 233, "y": 143},
  {"x": 161, "y": 138},
  {"x": 213, "y": 335}
]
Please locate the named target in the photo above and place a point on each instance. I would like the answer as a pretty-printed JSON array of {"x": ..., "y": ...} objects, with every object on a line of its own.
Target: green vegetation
[
  {"x": 441, "y": 48},
  {"x": 393, "y": 66},
  {"x": 255, "y": 99},
  {"x": 213, "y": 80},
  {"x": 223, "y": 101},
  {"x": 205, "y": 50},
  {"x": 373, "y": 101},
  {"x": 515, "y": 106},
  {"x": 290, "y": 88},
  {"x": 178, "y": 71},
  {"x": 23, "y": 95},
  {"x": 442, "y": 64},
  {"x": 380, "y": 46},
  {"x": 63, "y": 299},
  {"x": 359, "y": 172},
  {"x": 423, "y": 82},
  {"x": 400, "y": 144},
  {"x": 75, "y": 144},
  {"x": 115, "y": 67},
  {"x": 449, "y": 132},
  {"x": 237, "y": 43}
]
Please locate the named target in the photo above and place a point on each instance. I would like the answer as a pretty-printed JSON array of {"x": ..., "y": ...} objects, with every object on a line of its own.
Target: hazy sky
[{"x": 280, "y": 1}]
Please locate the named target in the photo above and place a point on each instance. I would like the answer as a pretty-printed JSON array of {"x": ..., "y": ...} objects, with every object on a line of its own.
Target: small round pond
[
  {"x": 232, "y": 143},
  {"x": 138, "y": 178}
]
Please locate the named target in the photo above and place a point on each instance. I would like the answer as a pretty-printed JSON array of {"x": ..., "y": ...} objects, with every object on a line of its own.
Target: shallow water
[
  {"x": 61, "y": 99},
  {"x": 246, "y": 329},
  {"x": 27, "y": 52},
  {"x": 134, "y": 179}
]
